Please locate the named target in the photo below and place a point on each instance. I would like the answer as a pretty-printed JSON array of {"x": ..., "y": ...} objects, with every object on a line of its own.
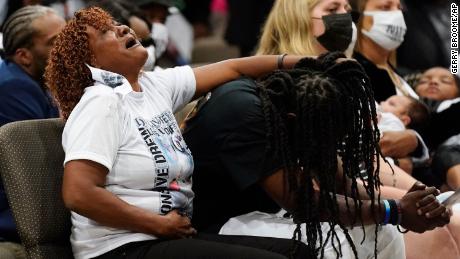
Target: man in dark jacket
[{"x": 28, "y": 36}]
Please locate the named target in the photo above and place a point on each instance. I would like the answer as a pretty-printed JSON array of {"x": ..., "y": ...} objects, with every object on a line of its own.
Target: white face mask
[
  {"x": 150, "y": 63},
  {"x": 160, "y": 36},
  {"x": 388, "y": 29},
  {"x": 349, "y": 51}
]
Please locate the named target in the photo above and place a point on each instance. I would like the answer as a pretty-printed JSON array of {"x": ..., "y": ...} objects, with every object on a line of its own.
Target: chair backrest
[{"x": 31, "y": 167}]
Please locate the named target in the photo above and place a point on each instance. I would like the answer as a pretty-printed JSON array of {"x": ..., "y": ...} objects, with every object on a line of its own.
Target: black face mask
[{"x": 338, "y": 33}]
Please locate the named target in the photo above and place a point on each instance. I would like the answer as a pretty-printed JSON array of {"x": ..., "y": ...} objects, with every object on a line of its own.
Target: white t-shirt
[{"x": 134, "y": 135}]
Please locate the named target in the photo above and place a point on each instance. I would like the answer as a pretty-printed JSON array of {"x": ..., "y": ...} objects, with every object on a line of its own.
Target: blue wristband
[{"x": 387, "y": 212}]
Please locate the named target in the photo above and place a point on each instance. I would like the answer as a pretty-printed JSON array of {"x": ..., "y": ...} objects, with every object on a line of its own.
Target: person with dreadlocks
[
  {"x": 308, "y": 27},
  {"x": 299, "y": 139},
  {"x": 300, "y": 27},
  {"x": 127, "y": 170},
  {"x": 327, "y": 25}
]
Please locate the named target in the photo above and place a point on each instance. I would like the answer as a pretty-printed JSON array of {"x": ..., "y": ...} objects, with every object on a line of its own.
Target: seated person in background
[
  {"x": 318, "y": 27},
  {"x": 127, "y": 170},
  {"x": 28, "y": 36},
  {"x": 441, "y": 90},
  {"x": 399, "y": 113},
  {"x": 375, "y": 45},
  {"x": 262, "y": 146}
]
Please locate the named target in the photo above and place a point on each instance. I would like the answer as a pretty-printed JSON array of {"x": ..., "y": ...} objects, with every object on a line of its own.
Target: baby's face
[
  {"x": 437, "y": 84},
  {"x": 396, "y": 104}
]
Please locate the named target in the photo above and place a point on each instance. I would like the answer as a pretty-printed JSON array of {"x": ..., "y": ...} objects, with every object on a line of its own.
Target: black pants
[{"x": 210, "y": 246}]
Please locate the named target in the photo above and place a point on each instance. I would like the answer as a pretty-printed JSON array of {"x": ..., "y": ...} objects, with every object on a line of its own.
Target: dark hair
[
  {"x": 419, "y": 115},
  {"x": 315, "y": 113},
  {"x": 18, "y": 31},
  {"x": 120, "y": 10}
]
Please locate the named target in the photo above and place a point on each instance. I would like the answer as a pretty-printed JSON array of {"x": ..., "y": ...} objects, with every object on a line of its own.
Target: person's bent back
[{"x": 259, "y": 145}]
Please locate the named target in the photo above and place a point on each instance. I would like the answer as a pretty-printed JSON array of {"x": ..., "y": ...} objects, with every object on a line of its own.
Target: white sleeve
[
  {"x": 179, "y": 83},
  {"x": 93, "y": 130},
  {"x": 425, "y": 153}
]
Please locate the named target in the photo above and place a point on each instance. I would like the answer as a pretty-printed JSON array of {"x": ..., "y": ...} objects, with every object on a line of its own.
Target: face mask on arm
[
  {"x": 151, "y": 58},
  {"x": 388, "y": 28},
  {"x": 161, "y": 38},
  {"x": 338, "y": 32}
]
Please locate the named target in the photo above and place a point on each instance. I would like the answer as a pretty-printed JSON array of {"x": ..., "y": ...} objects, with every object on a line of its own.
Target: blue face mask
[{"x": 338, "y": 33}]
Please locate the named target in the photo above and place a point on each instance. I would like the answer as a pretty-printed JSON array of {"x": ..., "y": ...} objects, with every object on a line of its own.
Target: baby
[
  {"x": 401, "y": 112},
  {"x": 398, "y": 113}
]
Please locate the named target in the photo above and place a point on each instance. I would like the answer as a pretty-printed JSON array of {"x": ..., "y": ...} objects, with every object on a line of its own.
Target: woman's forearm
[
  {"x": 394, "y": 185},
  {"x": 107, "y": 209},
  {"x": 273, "y": 186},
  {"x": 349, "y": 215},
  {"x": 257, "y": 66},
  {"x": 398, "y": 144},
  {"x": 395, "y": 176},
  {"x": 84, "y": 193},
  {"x": 209, "y": 76}
]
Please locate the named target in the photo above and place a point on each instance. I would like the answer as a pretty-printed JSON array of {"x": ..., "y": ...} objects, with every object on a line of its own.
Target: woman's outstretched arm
[{"x": 209, "y": 76}]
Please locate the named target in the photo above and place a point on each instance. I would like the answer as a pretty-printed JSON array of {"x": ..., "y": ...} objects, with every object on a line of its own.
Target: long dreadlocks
[{"x": 315, "y": 113}]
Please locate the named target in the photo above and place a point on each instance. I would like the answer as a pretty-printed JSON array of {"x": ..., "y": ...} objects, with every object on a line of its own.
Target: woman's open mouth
[{"x": 131, "y": 43}]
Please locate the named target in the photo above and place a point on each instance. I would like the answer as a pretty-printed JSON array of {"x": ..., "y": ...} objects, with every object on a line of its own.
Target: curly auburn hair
[{"x": 66, "y": 74}]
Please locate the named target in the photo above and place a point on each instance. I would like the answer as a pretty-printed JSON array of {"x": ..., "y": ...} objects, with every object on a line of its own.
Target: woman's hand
[
  {"x": 176, "y": 226},
  {"x": 420, "y": 212},
  {"x": 398, "y": 144}
]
